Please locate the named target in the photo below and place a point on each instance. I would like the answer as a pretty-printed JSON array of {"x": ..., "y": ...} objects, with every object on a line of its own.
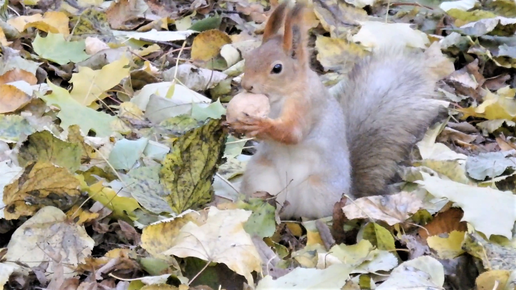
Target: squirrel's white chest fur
[{"x": 311, "y": 175}]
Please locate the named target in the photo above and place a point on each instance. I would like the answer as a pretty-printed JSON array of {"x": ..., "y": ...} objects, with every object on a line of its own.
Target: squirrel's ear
[
  {"x": 295, "y": 36},
  {"x": 274, "y": 22}
]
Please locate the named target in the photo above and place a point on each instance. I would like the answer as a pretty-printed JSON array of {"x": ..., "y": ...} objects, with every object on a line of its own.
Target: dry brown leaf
[
  {"x": 12, "y": 98},
  {"x": 393, "y": 209},
  {"x": 18, "y": 75}
]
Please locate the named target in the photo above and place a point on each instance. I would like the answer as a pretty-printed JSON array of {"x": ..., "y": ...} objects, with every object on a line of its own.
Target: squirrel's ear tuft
[
  {"x": 295, "y": 37},
  {"x": 275, "y": 21}
]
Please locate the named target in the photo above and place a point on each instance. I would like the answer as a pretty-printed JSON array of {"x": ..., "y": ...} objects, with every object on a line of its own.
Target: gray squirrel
[{"x": 315, "y": 147}]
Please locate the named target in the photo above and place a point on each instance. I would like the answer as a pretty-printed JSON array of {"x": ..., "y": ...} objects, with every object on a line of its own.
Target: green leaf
[
  {"x": 379, "y": 236},
  {"x": 179, "y": 125},
  {"x": 214, "y": 110},
  {"x": 54, "y": 47},
  {"x": 43, "y": 146},
  {"x": 13, "y": 128},
  {"x": 73, "y": 113},
  {"x": 188, "y": 171},
  {"x": 143, "y": 184},
  {"x": 207, "y": 23},
  {"x": 125, "y": 153},
  {"x": 262, "y": 222}
]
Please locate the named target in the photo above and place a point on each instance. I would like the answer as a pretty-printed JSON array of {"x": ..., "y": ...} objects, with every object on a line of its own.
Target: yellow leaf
[
  {"x": 122, "y": 207},
  {"x": 222, "y": 239},
  {"x": 313, "y": 238},
  {"x": 42, "y": 184},
  {"x": 30, "y": 2},
  {"x": 52, "y": 21},
  {"x": 499, "y": 106},
  {"x": 207, "y": 44},
  {"x": 447, "y": 247},
  {"x": 379, "y": 236},
  {"x": 149, "y": 49},
  {"x": 156, "y": 237},
  {"x": 3, "y": 39},
  {"x": 89, "y": 85},
  {"x": 488, "y": 280},
  {"x": 337, "y": 54},
  {"x": 80, "y": 215}
]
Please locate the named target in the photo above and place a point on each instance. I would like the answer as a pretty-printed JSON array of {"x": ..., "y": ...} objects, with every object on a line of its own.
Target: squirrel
[{"x": 315, "y": 147}]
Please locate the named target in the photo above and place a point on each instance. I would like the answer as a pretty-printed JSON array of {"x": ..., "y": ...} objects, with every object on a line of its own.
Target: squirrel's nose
[{"x": 246, "y": 84}]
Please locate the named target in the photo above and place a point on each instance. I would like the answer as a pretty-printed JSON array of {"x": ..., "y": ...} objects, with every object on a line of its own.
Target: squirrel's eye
[{"x": 276, "y": 69}]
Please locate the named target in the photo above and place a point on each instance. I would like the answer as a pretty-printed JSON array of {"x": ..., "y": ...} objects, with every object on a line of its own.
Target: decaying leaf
[
  {"x": 188, "y": 170},
  {"x": 13, "y": 127},
  {"x": 41, "y": 184},
  {"x": 49, "y": 236},
  {"x": 43, "y": 146},
  {"x": 493, "y": 255}
]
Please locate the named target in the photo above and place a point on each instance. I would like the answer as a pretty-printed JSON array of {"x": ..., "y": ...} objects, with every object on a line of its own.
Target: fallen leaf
[
  {"x": 489, "y": 210},
  {"x": 381, "y": 34},
  {"x": 392, "y": 209},
  {"x": 54, "y": 47},
  {"x": 51, "y": 21},
  {"x": 207, "y": 44},
  {"x": 447, "y": 246},
  {"x": 187, "y": 171},
  {"x": 73, "y": 113},
  {"x": 333, "y": 277},
  {"x": 17, "y": 74},
  {"x": 49, "y": 233},
  {"x": 41, "y": 184},
  {"x": 222, "y": 239},
  {"x": 43, "y": 146},
  {"x": 12, "y": 99},
  {"x": 91, "y": 85}
]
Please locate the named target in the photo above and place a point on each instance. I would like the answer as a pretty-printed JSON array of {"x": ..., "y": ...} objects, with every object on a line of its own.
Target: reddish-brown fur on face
[{"x": 289, "y": 115}]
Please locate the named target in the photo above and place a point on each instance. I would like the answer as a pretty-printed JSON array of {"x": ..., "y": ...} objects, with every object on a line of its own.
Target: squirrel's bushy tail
[{"x": 389, "y": 102}]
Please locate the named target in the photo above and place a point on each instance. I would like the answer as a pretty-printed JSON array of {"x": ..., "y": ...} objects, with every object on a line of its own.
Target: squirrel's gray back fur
[{"x": 387, "y": 103}]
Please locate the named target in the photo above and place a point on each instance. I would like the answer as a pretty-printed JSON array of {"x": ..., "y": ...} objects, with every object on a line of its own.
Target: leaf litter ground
[{"x": 115, "y": 171}]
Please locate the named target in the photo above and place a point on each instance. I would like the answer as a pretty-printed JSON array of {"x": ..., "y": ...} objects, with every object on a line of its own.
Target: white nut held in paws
[{"x": 254, "y": 105}]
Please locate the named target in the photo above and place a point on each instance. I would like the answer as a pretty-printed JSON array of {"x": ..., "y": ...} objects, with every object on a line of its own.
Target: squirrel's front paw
[{"x": 252, "y": 126}]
